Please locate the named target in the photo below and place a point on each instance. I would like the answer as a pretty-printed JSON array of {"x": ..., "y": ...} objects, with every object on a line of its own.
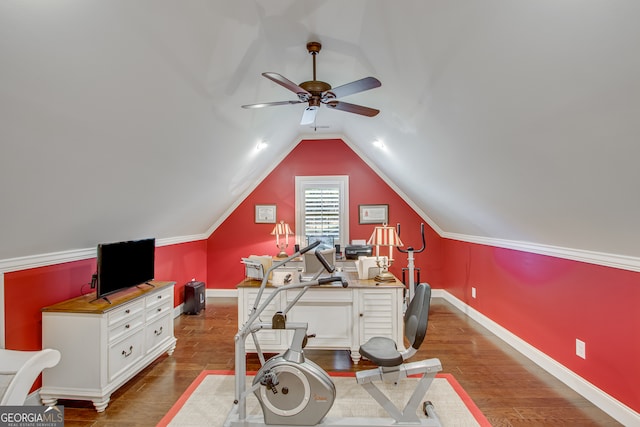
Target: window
[{"x": 322, "y": 209}]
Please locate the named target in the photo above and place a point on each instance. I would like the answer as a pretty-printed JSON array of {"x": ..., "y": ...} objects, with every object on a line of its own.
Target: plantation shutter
[
  {"x": 322, "y": 209},
  {"x": 322, "y": 212}
]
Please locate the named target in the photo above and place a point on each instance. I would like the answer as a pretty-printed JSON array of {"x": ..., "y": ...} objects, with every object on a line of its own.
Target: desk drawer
[{"x": 328, "y": 294}]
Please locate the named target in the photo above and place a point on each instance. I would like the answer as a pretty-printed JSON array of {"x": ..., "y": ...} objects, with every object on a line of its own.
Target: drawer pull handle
[
  {"x": 125, "y": 354},
  {"x": 159, "y": 310},
  {"x": 158, "y": 331},
  {"x": 127, "y": 311},
  {"x": 159, "y": 296},
  {"x": 127, "y": 326}
]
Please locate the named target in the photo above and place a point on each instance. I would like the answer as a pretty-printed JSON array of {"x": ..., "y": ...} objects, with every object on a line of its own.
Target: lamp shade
[
  {"x": 385, "y": 236},
  {"x": 282, "y": 229}
]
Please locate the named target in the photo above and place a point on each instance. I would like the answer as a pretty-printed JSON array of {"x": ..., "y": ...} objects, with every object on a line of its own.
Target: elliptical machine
[{"x": 293, "y": 391}]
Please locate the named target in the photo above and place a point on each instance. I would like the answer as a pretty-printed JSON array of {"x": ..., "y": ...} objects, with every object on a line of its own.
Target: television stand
[{"x": 105, "y": 344}]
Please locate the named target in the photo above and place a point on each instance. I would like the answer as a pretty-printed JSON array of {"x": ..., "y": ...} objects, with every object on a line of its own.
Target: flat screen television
[{"x": 122, "y": 265}]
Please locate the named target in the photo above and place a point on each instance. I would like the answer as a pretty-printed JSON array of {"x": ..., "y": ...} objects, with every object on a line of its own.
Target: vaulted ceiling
[{"x": 501, "y": 120}]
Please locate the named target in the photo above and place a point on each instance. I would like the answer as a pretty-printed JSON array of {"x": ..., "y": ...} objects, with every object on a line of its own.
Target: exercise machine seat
[
  {"x": 383, "y": 351},
  {"x": 19, "y": 370}
]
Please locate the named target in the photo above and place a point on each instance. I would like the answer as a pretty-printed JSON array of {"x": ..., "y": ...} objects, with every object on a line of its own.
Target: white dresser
[
  {"x": 340, "y": 318},
  {"x": 103, "y": 345}
]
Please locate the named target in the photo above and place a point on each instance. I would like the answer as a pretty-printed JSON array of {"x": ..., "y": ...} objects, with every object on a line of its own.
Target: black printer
[{"x": 354, "y": 251}]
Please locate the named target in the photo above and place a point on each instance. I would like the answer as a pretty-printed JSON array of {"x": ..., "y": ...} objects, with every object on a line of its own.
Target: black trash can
[{"x": 194, "y": 297}]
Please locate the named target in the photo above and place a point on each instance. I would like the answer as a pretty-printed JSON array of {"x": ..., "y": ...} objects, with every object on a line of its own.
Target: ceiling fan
[{"x": 317, "y": 92}]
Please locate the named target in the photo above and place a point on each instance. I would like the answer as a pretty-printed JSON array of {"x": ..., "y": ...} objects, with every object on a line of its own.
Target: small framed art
[
  {"x": 373, "y": 214},
  {"x": 266, "y": 214}
]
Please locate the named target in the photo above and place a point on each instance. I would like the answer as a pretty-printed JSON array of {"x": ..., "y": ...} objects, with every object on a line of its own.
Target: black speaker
[{"x": 194, "y": 297}]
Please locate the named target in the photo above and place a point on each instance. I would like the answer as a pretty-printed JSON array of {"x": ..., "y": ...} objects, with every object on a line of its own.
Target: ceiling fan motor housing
[{"x": 315, "y": 87}]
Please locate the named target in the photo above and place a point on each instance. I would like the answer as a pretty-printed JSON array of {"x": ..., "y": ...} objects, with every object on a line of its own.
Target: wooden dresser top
[{"x": 89, "y": 304}]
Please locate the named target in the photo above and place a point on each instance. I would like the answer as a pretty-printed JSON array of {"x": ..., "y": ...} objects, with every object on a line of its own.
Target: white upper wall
[{"x": 502, "y": 120}]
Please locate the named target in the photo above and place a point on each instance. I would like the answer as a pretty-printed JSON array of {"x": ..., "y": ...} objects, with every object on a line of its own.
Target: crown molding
[
  {"x": 43, "y": 260},
  {"x": 622, "y": 262}
]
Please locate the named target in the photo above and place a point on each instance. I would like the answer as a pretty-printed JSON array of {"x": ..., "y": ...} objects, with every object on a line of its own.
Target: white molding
[
  {"x": 601, "y": 399},
  {"x": 181, "y": 239},
  {"x": 221, "y": 293},
  {"x": 42, "y": 260},
  {"x": 622, "y": 262}
]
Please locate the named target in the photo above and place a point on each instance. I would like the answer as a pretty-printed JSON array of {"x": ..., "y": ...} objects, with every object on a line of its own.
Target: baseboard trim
[
  {"x": 221, "y": 293},
  {"x": 602, "y": 400}
]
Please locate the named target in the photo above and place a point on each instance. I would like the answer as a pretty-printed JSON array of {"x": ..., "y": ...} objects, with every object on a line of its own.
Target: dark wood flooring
[{"x": 508, "y": 388}]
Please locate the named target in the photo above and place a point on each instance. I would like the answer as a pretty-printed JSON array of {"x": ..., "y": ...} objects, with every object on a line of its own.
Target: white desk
[{"x": 341, "y": 318}]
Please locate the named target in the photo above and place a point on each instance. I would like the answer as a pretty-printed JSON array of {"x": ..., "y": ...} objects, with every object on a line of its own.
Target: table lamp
[
  {"x": 385, "y": 236},
  {"x": 282, "y": 229}
]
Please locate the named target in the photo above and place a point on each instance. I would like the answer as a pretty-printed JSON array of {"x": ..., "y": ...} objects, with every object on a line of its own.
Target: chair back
[
  {"x": 19, "y": 370},
  {"x": 417, "y": 315}
]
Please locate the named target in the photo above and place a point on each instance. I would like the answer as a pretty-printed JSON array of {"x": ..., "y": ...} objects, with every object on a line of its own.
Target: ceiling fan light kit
[{"x": 316, "y": 92}]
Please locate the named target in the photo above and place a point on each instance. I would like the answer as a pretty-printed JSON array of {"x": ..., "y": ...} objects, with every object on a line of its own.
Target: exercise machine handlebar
[
  {"x": 330, "y": 268},
  {"x": 411, "y": 249},
  {"x": 307, "y": 249}
]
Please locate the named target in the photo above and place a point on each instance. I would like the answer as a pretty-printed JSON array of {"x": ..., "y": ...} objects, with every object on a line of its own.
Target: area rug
[{"x": 209, "y": 398}]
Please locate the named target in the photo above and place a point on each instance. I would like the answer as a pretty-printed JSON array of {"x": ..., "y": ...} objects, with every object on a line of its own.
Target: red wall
[
  {"x": 27, "y": 291},
  {"x": 239, "y": 236},
  {"x": 549, "y": 302},
  {"x": 546, "y": 301}
]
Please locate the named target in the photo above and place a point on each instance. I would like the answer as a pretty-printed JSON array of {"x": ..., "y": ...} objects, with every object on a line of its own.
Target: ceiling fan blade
[
  {"x": 270, "y": 104},
  {"x": 288, "y": 84},
  {"x": 309, "y": 115},
  {"x": 354, "y": 87},
  {"x": 353, "y": 108}
]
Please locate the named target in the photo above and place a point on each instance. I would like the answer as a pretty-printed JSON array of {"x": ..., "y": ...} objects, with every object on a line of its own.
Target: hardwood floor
[{"x": 508, "y": 388}]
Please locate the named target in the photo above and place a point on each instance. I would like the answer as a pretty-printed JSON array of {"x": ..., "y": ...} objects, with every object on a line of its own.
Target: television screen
[{"x": 124, "y": 264}]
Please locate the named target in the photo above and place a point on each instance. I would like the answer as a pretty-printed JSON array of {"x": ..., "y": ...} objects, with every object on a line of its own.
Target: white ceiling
[{"x": 511, "y": 120}]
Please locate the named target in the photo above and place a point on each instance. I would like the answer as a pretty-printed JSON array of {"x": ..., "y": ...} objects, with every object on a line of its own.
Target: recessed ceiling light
[
  {"x": 379, "y": 144},
  {"x": 261, "y": 146}
]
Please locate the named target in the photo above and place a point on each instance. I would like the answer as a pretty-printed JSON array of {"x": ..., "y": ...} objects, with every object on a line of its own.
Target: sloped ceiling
[{"x": 506, "y": 120}]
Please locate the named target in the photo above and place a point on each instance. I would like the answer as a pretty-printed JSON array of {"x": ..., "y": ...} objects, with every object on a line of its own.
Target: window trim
[{"x": 342, "y": 182}]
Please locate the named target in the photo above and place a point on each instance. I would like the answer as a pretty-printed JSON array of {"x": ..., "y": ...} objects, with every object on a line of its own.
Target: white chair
[{"x": 19, "y": 370}]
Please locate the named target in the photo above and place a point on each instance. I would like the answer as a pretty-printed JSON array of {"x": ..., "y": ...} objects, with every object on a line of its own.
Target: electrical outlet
[
  {"x": 473, "y": 292},
  {"x": 581, "y": 349}
]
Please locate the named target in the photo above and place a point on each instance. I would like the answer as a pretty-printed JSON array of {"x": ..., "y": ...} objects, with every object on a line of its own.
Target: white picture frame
[{"x": 265, "y": 214}]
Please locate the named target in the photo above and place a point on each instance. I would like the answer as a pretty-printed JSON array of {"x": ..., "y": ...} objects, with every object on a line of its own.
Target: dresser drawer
[
  {"x": 159, "y": 310},
  {"x": 126, "y": 326},
  {"x": 123, "y": 354},
  {"x": 158, "y": 331},
  {"x": 128, "y": 311},
  {"x": 158, "y": 298}
]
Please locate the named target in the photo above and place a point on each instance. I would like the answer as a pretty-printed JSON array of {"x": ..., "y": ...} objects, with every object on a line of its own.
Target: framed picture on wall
[
  {"x": 266, "y": 214},
  {"x": 373, "y": 214}
]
